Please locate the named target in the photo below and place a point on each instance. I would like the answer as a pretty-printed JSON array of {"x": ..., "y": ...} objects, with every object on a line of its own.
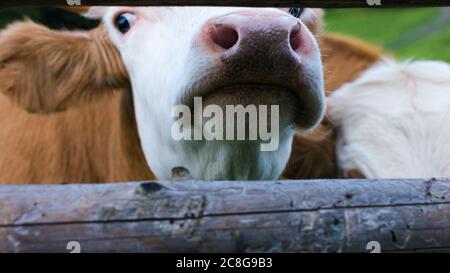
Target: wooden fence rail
[
  {"x": 196, "y": 216},
  {"x": 273, "y": 3}
]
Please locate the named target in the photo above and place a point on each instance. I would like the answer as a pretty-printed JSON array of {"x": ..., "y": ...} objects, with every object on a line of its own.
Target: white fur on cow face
[
  {"x": 164, "y": 60},
  {"x": 393, "y": 121}
]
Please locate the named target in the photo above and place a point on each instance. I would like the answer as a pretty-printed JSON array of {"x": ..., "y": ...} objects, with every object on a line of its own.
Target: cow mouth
[
  {"x": 248, "y": 94},
  {"x": 297, "y": 108},
  {"x": 239, "y": 94},
  {"x": 229, "y": 89}
]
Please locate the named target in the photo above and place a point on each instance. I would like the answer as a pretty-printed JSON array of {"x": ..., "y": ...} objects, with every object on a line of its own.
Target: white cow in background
[{"x": 394, "y": 121}]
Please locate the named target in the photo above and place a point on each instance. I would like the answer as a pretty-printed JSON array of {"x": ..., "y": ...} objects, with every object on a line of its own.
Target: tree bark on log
[
  {"x": 247, "y": 3},
  {"x": 196, "y": 216}
]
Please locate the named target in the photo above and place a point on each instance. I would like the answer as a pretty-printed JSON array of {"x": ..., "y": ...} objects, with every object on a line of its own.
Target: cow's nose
[{"x": 236, "y": 32}]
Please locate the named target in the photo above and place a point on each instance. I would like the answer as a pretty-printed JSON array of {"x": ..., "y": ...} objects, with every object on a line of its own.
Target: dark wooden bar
[
  {"x": 197, "y": 216},
  {"x": 262, "y": 3}
]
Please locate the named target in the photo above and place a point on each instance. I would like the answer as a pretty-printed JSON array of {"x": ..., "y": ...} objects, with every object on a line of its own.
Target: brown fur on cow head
[{"x": 45, "y": 70}]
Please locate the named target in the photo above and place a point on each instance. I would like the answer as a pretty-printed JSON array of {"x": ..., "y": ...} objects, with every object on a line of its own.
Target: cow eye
[
  {"x": 125, "y": 21},
  {"x": 296, "y": 12}
]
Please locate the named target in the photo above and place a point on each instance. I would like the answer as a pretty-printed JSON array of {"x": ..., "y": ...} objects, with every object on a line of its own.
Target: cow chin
[{"x": 237, "y": 160}]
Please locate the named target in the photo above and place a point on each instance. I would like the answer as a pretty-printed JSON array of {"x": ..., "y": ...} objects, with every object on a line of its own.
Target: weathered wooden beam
[
  {"x": 272, "y": 3},
  {"x": 195, "y": 216}
]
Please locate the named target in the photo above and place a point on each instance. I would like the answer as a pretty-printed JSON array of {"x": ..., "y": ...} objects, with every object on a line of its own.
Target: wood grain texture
[
  {"x": 195, "y": 216},
  {"x": 270, "y": 3}
]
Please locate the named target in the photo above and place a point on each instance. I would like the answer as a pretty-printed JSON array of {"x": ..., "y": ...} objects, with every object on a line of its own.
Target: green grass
[
  {"x": 435, "y": 47},
  {"x": 406, "y": 33}
]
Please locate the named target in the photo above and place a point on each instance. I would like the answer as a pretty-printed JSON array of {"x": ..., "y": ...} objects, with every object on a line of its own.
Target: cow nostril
[
  {"x": 224, "y": 36},
  {"x": 295, "y": 38}
]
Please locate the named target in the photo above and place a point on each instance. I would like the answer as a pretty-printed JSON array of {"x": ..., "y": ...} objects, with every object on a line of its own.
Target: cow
[
  {"x": 392, "y": 122},
  {"x": 96, "y": 106},
  {"x": 385, "y": 118}
]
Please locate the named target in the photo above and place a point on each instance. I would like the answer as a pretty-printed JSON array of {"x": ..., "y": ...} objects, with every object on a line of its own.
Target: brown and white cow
[{"x": 96, "y": 106}]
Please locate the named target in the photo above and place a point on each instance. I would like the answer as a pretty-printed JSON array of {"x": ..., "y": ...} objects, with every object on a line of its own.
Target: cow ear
[{"x": 43, "y": 70}]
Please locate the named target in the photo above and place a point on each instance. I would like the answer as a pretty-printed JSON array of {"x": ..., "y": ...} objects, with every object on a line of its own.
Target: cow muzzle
[{"x": 263, "y": 58}]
